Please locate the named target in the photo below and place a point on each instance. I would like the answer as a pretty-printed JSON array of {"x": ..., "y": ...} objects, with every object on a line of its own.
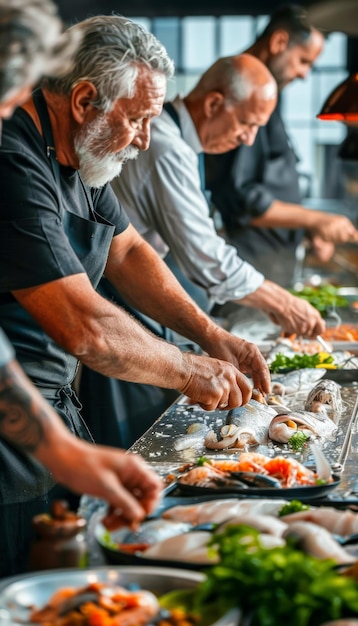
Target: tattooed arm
[{"x": 31, "y": 425}]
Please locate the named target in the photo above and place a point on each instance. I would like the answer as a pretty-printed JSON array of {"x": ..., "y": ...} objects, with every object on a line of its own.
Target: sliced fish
[
  {"x": 282, "y": 427},
  {"x": 317, "y": 541}
]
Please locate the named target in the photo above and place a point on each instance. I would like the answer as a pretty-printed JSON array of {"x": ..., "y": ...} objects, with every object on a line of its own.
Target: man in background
[{"x": 256, "y": 188}]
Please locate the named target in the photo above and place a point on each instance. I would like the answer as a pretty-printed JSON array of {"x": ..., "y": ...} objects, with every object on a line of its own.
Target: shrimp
[
  {"x": 204, "y": 476},
  {"x": 252, "y": 462},
  {"x": 142, "y": 606},
  {"x": 289, "y": 471},
  {"x": 227, "y": 465}
]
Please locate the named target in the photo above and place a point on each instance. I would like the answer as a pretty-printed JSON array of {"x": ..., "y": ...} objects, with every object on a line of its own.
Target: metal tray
[{"x": 19, "y": 594}]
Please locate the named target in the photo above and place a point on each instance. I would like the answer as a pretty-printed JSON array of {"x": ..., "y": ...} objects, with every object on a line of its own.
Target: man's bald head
[
  {"x": 237, "y": 78},
  {"x": 235, "y": 96}
]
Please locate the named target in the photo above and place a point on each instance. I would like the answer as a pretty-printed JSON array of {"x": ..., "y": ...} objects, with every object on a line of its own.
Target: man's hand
[
  {"x": 334, "y": 228},
  {"x": 214, "y": 384},
  {"x": 131, "y": 488},
  {"x": 323, "y": 250},
  {"x": 293, "y": 314},
  {"x": 243, "y": 354},
  {"x": 299, "y": 317}
]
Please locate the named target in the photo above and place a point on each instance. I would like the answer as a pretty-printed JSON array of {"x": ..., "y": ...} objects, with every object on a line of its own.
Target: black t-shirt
[{"x": 34, "y": 247}]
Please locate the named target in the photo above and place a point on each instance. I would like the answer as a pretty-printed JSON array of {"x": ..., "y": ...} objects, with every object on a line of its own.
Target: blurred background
[{"x": 195, "y": 33}]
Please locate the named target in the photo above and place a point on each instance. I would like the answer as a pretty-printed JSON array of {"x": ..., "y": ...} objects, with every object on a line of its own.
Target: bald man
[
  {"x": 256, "y": 188},
  {"x": 162, "y": 190}
]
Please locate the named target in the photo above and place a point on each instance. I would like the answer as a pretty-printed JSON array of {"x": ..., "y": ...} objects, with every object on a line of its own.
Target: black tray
[{"x": 306, "y": 492}]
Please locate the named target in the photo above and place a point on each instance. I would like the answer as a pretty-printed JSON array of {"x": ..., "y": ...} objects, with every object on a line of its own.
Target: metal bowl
[{"x": 20, "y": 594}]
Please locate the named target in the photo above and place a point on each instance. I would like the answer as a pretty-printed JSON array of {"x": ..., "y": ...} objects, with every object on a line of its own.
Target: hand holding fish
[
  {"x": 244, "y": 355},
  {"x": 213, "y": 384}
]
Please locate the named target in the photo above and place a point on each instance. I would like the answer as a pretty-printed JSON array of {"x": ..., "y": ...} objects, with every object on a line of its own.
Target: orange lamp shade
[{"x": 342, "y": 103}]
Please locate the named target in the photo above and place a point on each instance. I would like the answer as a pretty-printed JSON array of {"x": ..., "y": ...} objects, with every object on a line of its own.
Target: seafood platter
[
  {"x": 111, "y": 595},
  {"x": 258, "y": 450}
]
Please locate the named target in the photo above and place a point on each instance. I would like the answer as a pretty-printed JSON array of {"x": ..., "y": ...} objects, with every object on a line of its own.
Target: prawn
[
  {"x": 203, "y": 476},
  {"x": 289, "y": 471}
]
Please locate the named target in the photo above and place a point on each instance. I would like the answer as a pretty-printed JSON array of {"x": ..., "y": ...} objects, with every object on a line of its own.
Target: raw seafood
[
  {"x": 218, "y": 511},
  {"x": 194, "y": 437},
  {"x": 288, "y": 471},
  {"x": 317, "y": 541},
  {"x": 334, "y": 520},
  {"x": 326, "y": 395},
  {"x": 282, "y": 427},
  {"x": 135, "y": 608},
  {"x": 298, "y": 380},
  {"x": 267, "y": 524},
  {"x": 245, "y": 426},
  {"x": 150, "y": 532},
  {"x": 190, "y": 547}
]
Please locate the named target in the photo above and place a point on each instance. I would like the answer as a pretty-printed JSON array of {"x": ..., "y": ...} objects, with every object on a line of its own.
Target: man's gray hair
[
  {"x": 31, "y": 44},
  {"x": 112, "y": 50}
]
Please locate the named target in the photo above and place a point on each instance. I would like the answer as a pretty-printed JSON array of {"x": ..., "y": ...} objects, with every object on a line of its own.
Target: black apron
[{"x": 49, "y": 366}]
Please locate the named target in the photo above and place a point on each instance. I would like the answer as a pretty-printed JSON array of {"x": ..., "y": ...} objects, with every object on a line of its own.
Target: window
[{"x": 195, "y": 42}]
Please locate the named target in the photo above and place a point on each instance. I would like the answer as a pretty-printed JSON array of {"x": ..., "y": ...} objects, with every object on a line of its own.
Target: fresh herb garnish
[
  {"x": 283, "y": 363},
  {"x": 298, "y": 440},
  {"x": 295, "y": 506},
  {"x": 280, "y": 585},
  {"x": 321, "y": 297},
  {"x": 202, "y": 460}
]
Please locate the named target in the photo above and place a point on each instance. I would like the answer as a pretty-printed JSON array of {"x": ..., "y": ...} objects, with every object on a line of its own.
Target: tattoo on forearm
[{"x": 21, "y": 420}]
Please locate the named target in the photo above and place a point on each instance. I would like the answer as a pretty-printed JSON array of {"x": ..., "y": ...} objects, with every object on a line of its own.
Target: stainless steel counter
[{"x": 157, "y": 444}]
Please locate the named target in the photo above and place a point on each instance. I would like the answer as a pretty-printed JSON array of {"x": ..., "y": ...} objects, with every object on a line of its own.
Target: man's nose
[{"x": 248, "y": 136}]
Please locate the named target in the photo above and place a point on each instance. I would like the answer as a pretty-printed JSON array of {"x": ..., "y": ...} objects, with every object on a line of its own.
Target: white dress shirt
[{"x": 161, "y": 193}]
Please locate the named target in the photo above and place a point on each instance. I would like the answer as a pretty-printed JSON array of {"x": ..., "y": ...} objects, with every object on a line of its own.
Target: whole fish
[
  {"x": 193, "y": 438},
  {"x": 282, "y": 427},
  {"x": 326, "y": 395},
  {"x": 245, "y": 426}
]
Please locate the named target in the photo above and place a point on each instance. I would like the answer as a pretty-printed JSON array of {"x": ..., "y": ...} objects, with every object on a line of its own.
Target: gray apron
[{"x": 48, "y": 365}]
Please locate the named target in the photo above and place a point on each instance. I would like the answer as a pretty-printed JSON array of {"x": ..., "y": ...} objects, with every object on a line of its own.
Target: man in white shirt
[{"x": 161, "y": 190}]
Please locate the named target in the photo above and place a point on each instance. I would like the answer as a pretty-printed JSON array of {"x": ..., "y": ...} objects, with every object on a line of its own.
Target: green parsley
[
  {"x": 321, "y": 297},
  {"x": 283, "y": 363},
  {"x": 281, "y": 585},
  {"x": 298, "y": 440},
  {"x": 295, "y": 506}
]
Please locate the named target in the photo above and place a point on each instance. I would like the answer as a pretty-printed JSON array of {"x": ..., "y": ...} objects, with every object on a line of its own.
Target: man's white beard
[{"x": 97, "y": 165}]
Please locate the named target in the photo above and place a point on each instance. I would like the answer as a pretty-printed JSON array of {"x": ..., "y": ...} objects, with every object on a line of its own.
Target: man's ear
[
  {"x": 213, "y": 103},
  {"x": 82, "y": 96},
  {"x": 279, "y": 41}
]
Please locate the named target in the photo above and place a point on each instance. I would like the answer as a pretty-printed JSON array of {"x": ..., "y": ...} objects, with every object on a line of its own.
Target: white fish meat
[
  {"x": 193, "y": 438},
  {"x": 218, "y": 511},
  {"x": 245, "y": 426},
  {"x": 282, "y": 427},
  {"x": 325, "y": 395},
  {"x": 335, "y": 520},
  {"x": 318, "y": 542},
  {"x": 151, "y": 531},
  {"x": 267, "y": 524},
  {"x": 192, "y": 547}
]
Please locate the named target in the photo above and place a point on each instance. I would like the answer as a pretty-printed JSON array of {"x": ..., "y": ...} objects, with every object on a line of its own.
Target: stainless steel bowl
[{"x": 18, "y": 595}]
